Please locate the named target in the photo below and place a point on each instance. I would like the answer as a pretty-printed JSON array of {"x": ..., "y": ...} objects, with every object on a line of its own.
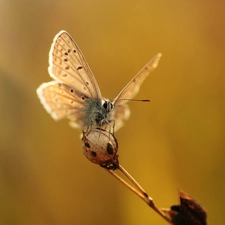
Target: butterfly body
[{"x": 97, "y": 112}]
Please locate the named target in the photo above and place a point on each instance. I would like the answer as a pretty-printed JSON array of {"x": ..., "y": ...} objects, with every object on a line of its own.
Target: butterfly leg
[{"x": 111, "y": 124}]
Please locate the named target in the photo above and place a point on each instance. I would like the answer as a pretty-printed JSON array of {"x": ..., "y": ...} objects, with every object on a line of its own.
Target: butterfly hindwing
[{"x": 62, "y": 101}]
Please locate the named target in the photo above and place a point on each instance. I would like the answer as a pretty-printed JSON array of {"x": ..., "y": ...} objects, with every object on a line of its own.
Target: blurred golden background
[{"x": 176, "y": 141}]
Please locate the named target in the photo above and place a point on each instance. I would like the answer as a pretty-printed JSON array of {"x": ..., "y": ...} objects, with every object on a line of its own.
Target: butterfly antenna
[{"x": 136, "y": 100}]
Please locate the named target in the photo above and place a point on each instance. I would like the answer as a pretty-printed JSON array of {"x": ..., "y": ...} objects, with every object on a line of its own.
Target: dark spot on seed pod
[
  {"x": 74, "y": 51},
  {"x": 69, "y": 50},
  {"x": 109, "y": 149},
  {"x": 94, "y": 153},
  {"x": 87, "y": 83},
  {"x": 65, "y": 60},
  {"x": 66, "y": 53},
  {"x": 67, "y": 67},
  {"x": 79, "y": 67},
  {"x": 87, "y": 145}
]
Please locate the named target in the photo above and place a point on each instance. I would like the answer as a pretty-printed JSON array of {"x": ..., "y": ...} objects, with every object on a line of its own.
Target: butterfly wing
[
  {"x": 121, "y": 111},
  {"x": 74, "y": 83},
  {"x": 67, "y": 65},
  {"x": 62, "y": 101},
  {"x": 119, "y": 114},
  {"x": 132, "y": 88}
]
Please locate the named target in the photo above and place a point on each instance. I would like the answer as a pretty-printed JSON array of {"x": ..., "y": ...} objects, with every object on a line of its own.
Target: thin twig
[
  {"x": 135, "y": 183},
  {"x": 140, "y": 192},
  {"x": 127, "y": 185}
]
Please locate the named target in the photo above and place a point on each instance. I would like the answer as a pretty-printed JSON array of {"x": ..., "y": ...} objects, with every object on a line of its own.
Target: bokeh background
[{"x": 176, "y": 141}]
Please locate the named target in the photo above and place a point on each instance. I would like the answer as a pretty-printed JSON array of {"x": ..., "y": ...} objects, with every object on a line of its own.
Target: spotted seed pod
[{"x": 100, "y": 147}]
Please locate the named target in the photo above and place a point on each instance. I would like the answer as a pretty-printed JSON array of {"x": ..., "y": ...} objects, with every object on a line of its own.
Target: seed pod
[{"x": 100, "y": 147}]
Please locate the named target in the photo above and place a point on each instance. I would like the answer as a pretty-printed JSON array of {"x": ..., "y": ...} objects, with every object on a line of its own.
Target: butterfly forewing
[
  {"x": 68, "y": 65},
  {"x": 132, "y": 88},
  {"x": 121, "y": 110}
]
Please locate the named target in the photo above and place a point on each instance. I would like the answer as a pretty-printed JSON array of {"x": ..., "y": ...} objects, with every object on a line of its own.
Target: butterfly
[{"x": 74, "y": 92}]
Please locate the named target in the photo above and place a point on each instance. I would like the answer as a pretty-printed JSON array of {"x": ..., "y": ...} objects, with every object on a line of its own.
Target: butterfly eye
[{"x": 105, "y": 104}]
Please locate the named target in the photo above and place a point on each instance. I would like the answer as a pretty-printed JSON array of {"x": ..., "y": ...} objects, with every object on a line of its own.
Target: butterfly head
[{"x": 107, "y": 105}]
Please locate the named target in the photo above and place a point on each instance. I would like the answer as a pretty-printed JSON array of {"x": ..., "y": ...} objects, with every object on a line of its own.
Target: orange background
[{"x": 176, "y": 141}]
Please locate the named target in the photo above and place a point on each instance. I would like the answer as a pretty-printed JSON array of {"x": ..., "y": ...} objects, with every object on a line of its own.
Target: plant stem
[{"x": 140, "y": 192}]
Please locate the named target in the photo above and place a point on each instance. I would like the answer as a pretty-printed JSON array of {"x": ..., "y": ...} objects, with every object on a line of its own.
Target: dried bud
[{"x": 189, "y": 212}]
